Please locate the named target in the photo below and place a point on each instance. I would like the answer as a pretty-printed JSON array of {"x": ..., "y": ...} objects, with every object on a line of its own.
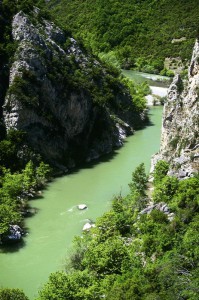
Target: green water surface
[{"x": 52, "y": 229}]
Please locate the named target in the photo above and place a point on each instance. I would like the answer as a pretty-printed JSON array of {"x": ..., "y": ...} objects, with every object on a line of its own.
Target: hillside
[
  {"x": 60, "y": 95},
  {"x": 138, "y": 33}
]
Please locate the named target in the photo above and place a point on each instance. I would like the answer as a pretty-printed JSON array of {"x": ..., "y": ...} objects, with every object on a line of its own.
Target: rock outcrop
[
  {"x": 71, "y": 107},
  {"x": 15, "y": 233},
  {"x": 180, "y": 127},
  {"x": 163, "y": 207}
]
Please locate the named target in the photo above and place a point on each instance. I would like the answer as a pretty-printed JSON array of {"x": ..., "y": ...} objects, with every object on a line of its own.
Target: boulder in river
[
  {"x": 82, "y": 206},
  {"x": 88, "y": 226},
  {"x": 15, "y": 233}
]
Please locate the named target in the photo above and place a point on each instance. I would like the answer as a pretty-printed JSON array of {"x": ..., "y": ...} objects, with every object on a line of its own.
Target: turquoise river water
[{"x": 52, "y": 229}]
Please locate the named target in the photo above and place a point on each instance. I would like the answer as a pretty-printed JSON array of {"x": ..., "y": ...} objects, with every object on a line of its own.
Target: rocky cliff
[
  {"x": 71, "y": 106},
  {"x": 180, "y": 127}
]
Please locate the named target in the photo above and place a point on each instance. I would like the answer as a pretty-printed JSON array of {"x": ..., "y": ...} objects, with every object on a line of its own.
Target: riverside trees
[
  {"x": 135, "y": 255},
  {"x": 18, "y": 181}
]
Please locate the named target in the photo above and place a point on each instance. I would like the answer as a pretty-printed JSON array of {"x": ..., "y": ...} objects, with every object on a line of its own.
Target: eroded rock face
[
  {"x": 49, "y": 98},
  {"x": 180, "y": 127}
]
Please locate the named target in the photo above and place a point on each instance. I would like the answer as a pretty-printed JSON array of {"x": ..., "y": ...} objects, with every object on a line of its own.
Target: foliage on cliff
[
  {"x": 7, "y": 47},
  {"x": 136, "y": 255},
  {"x": 136, "y": 33},
  {"x": 19, "y": 180}
]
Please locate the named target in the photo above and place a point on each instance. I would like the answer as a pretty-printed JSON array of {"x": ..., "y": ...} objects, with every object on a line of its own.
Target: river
[{"x": 52, "y": 229}]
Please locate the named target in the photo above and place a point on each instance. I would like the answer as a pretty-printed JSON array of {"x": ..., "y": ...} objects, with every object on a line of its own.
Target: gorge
[
  {"x": 63, "y": 106},
  {"x": 57, "y": 221}
]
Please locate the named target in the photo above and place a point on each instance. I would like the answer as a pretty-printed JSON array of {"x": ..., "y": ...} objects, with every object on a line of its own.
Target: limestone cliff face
[
  {"x": 70, "y": 106},
  {"x": 180, "y": 127}
]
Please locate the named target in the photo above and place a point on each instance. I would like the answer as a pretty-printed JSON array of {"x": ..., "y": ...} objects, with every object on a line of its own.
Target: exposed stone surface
[
  {"x": 163, "y": 207},
  {"x": 175, "y": 64},
  {"x": 82, "y": 206},
  {"x": 88, "y": 226},
  {"x": 15, "y": 233},
  {"x": 180, "y": 40},
  {"x": 180, "y": 127},
  {"x": 159, "y": 206},
  {"x": 48, "y": 96}
]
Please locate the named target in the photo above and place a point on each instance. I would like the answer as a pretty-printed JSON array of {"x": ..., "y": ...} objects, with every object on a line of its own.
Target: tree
[
  {"x": 107, "y": 257},
  {"x": 29, "y": 180},
  {"x": 12, "y": 184},
  {"x": 12, "y": 294},
  {"x": 161, "y": 169},
  {"x": 75, "y": 286},
  {"x": 42, "y": 173},
  {"x": 166, "y": 189},
  {"x": 8, "y": 215},
  {"x": 139, "y": 180}
]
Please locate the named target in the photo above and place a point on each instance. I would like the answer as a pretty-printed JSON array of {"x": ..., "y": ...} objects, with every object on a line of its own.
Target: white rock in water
[
  {"x": 81, "y": 206},
  {"x": 88, "y": 226}
]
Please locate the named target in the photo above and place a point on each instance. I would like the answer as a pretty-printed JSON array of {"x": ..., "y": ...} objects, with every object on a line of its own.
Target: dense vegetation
[
  {"x": 132, "y": 254},
  {"x": 134, "y": 33},
  {"x": 19, "y": 180}
]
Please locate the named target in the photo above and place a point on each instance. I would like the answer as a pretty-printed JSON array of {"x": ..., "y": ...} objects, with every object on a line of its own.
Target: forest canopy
[{"x": 137, "y": 33}]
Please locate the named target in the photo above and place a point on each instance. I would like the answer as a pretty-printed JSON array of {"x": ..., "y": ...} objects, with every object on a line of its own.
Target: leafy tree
[
  {"x": 29, "y": 180},
  {"x": 42, "y": 173},
  {"x": 12, "y": 294},
  {"x": 126, "y": 288},
  {"x": 166, "y": 189},
  {"x": 80, "y": 246},
  {"x": 191, "y": 240},
  {"x": 123, "y": 208},
  {"x": 105, "y": 258},
  {"x": 138, "y": 92},
  {"x": 139, "y": 180},
  {"x": 76, "y": 286},
  {"x": 12, "y": 184},
  {"x": 161, "y": 169},
  {"x": 188, "y": 194},
  {"x": 106, "y": 226},
  {"x": 8, "y": 215}
]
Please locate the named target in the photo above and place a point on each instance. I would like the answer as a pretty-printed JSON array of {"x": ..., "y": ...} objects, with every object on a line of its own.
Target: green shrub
[
  {"x": 12, "y": 294},
  {"x": 139, "y": 180},
  {"x": 161, "y": 169},
  {"x": 165, "y": 189}
]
